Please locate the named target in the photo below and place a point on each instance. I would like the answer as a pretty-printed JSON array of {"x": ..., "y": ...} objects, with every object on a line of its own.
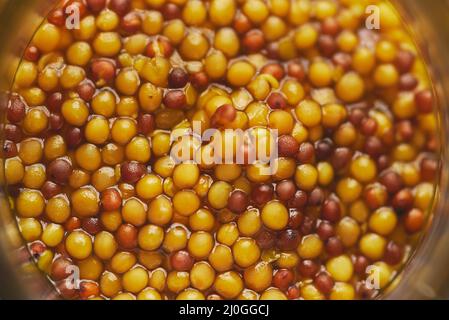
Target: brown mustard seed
[
  {"x": 13, "y": 133},
  {"x": 392, "y": 181},
  {"x": 341, "y": 158},
  {"x": 16, "y": 110},
  {"x": 283, "y": 278},
  {"x": 55, "y": 101},
  {"x": 175, "y": 99},
  {"x": 253, "y": 41},
  {"x": 103, "y": 70},
  {"x": 288, "y": 240},
  {"x": 171, "y": 11},
  {"x": 50, "y": 189},
  {"x": 288, "y": 146},
  {"x": 160, "y": 46},
  {"x": 265, "y": 239},
  {"x": 424, "y": 101},
  {"x": 285, "y": 190},
  {"x": 299, "y": 200},
  {"x": 9, "y": 149},
  {"x": 308, "y": 268},
  {"x": 330, "y": 26},
  {"x": 306, "y": 153},
  {"x": 121, "y": 7},
  {"x": 57, "y": 17},
  {"x": 407, "y": 82},
  {"x": 368, "y": 126},
  {"x": 324, "y": 149},
  {"x": 316, "y": 197},
  {"x": 403, "y": 200},
  {"x": 295, "y": 218},
  {"x": 393, "y": 253},
  {"x": 293, "y": 293},
  {"x": 334, "y": 247},
  {"x": 91, "y": 225},
  {"x": 325, "y": 230},
  {"x": 361, "y": 264},
  {"x": 86, "y": 91},
  {"x": 199, "y": 80},
  {"x": 126, "y": 236},
  {"x": 72, "y": 223},
  {"x": 59, "y": 171},
  {"x": 277, "y": 100},
  {"x": 131, "y": 23},
  {"x": 404, "y": 130},
  {"x": 296, "y": 70},
  {"x": 73, "y": 137},
  {"x": 414, "y": 221},
  {"x": 375, "y": 196},
  {"x": 324, "y": 283},
  {"x": 373, "y": 147},
  {"x": 404, "y": 61},
  {"x": 262, "y": 193},
  {"x": 224, "y": 115},
  {"x": 178, "y": 78},
  {"x": 331, "y": 211},
  {"x": 356, "y": 116},
  {"x": 111, "y": 199},
  {"x": 327, "y": 45},
  {"x": 61, "y": 269},
  {"x": 88, "y": 290},
  {"x": 274, "y": 69},
  {"x": 95, "y": 6},
  {"x": 238, "y": 201},
  {"x": 56, "y": 121},
  {"x": 181, "y": 261},
  {"x": 429, "y": 169},
  {"x": 32, "y": 54},
  {"x": 132, "y": 171},
  {"x": 241, "y": 23},
  {"x": 308, "y": 225}
]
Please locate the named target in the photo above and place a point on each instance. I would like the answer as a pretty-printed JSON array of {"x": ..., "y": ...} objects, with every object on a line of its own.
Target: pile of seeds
[{"x": 94, "y": 184}]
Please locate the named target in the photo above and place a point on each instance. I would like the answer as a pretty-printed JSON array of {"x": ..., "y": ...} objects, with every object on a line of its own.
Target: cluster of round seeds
[{"x": 94, "y": 184}]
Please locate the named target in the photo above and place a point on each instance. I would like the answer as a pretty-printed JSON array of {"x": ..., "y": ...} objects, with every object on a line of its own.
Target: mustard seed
[
  {"x": 59, "y": 171},
  {"x": 277, "y": 100},
  {"x": 288, "y": 146},
  {"x": 324, "y": 283},
  {"x": 285, "y": 190},
  {"x": 261, "y": 194},
  {"x": 238, "y": 201},
  {"x": 50, "y": 189},
  {"x": 175, "y": 99},
  {"x": 95, "y": 6},
  {"x": 274, "y": 69},
  {"x": 121, "y": 7},
  {"x": 288, "y": 240}
]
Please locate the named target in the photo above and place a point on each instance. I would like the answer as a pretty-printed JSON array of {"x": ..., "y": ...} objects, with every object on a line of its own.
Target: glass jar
[
  {"x": 21, "y": 279},
  {"x": 425, "y": 276}
]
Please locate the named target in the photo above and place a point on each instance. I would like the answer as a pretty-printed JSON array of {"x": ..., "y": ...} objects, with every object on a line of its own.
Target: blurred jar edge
[
  {"x": 20, "y": 277},
  {"x": 426, "y": 276}
]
